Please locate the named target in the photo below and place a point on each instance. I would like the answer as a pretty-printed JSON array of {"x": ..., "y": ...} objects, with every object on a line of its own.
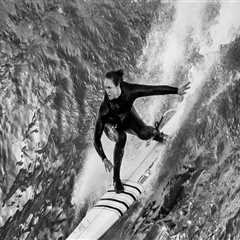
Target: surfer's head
[{"x": 112, "y": 83}]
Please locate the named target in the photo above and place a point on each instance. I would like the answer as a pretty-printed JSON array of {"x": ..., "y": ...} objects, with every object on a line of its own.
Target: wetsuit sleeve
[
  {"x": 138, "y": 90},
  {"x": 97, "y": 136}
]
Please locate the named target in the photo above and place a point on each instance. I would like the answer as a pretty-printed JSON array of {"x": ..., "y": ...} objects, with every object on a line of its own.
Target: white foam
[{"x": 188, "y": 20}]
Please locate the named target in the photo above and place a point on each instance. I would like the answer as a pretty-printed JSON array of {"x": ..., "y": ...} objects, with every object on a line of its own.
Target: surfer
[{"x": 117, "y": 116}]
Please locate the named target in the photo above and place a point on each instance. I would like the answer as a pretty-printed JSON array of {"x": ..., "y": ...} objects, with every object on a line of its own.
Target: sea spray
[
  {"x": 93, "y": 179},
  {"x": 188, "y": 22}
]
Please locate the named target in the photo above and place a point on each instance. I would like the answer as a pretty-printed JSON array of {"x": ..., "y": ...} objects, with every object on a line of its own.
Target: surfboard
[
  {"x": 106, "y": 212},
  {"x": 112, "y": 206}
]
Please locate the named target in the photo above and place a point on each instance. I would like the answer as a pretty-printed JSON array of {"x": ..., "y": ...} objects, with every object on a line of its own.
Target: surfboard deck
[
  {"x": 112, "y": 206},
  {"x": 107, "y": 211}
]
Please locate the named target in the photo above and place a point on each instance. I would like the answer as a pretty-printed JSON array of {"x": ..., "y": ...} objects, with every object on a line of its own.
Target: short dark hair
[{"x": 116, "y": 76}]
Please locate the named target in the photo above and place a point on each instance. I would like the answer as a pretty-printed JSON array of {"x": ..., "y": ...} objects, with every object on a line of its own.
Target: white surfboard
[
  {"x": 106, "y": 212},
  {"x": 112, "y": 206}
]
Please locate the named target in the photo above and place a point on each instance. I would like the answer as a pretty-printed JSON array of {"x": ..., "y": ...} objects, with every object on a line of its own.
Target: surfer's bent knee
[
  {"x": 111, "y": 132},
  {"x": 146, "y": 133}
]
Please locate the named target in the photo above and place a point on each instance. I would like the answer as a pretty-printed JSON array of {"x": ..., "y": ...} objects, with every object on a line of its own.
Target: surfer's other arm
[
  {"x": 97, "y": 137},
  {"x": 139, "y": 90}
]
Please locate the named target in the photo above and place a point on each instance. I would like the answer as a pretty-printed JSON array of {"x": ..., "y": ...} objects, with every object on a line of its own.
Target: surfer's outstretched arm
[
  {"x": 97, "y": 137},
  {"x": 138, "y": 90}
]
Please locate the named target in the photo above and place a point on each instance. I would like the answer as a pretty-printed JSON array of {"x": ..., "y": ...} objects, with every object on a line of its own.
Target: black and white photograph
[{"x": 120, "y": 119}]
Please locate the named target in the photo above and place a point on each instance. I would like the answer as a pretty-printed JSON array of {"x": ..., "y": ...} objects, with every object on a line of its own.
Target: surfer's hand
[
  {"x": 183, "y": 89},
  {"x": 108, "y": 165}
]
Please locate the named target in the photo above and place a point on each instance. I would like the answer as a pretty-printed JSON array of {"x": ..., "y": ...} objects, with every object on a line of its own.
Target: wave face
[{"x": 196, "y": 192}]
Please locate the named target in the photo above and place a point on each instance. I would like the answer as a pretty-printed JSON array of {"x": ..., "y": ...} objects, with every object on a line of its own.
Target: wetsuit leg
[
  {"x": 118, "y": 155},
  {"x": 135, "y": 125},
  {"x": 117, "y": 135}
]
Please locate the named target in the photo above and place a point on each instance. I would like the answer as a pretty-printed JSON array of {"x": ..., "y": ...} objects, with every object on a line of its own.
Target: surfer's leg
[
  {"x": 111, "y": 132},
  {"x": 118, "y": 155},
  {"x": 135, "y": 125},
  {"x": 114, "y": 133}
]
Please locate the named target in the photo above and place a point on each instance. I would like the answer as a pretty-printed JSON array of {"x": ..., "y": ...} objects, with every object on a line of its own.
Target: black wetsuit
[{"x": 122, "y": 116}]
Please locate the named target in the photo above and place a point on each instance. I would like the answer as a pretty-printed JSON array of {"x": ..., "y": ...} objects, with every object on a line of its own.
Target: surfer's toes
[
  {"x": 161, "y": 137},
  {"x": 118, "y": 186},
  {"x": 166, "y": 138}
]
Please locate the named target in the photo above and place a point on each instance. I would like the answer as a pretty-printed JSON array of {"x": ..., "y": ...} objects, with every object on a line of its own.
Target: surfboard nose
[{"x": 107, "y": 211}]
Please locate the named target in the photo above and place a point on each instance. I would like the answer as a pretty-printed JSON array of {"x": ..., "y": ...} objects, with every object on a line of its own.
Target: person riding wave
[{"x": 117, "y": 117}]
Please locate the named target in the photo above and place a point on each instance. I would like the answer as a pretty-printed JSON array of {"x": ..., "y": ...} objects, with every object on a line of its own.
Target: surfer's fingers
[
  {"x": 109, "y": 166},
  {"x": 186, "y": 86},
  {"x": 106, "y": 167}
]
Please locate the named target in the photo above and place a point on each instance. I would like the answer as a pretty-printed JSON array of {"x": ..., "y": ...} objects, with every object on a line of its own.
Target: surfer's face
[{"x": 111, "y": 89}]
